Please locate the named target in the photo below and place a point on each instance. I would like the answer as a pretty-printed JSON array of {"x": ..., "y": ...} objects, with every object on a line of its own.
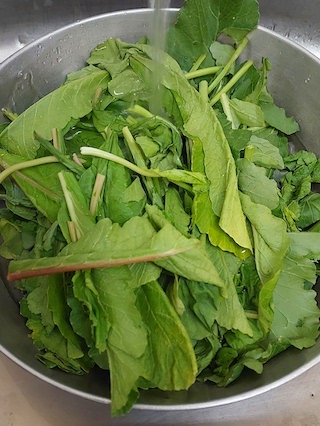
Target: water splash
[{"x": 157, "y": 36}]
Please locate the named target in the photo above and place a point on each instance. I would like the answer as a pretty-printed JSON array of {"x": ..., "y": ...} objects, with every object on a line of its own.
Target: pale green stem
[
  {"x": 198, "y": 62},
  {"x": 229, "y": 64},
  {"x": 72, "y": 231},
  {"x": 70, "y": 206},
  {"x": 95, "y": 152},
  {"x": 226, "y": 109},
  {"x": 143, "y": 112},
  {"x": 134, "y": 148},
  {"x": 139, "y": 110},
  {"x": 58, "y": 141},
  {"x": 203, "y": 89},
  {"x": 203, "y": 72},
  {"x": 96, "y": 193},
  {"x": 252, "y": 315},
  {"x": 26, "y": 165},
  {"x": 232, "y": 82},
  {"x": 9, "y": 114},
  {"x": 97, "y": 96}
]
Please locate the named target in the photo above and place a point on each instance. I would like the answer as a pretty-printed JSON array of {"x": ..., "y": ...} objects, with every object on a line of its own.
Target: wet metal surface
[
  {"x": 24, "y": 399},
  {"x": 22, "y": 21}
]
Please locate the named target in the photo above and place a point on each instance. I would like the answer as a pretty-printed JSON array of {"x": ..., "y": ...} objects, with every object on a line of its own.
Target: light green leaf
[
  {"x": 254, "y": 182},
  {"x": 52, "y": 111}
]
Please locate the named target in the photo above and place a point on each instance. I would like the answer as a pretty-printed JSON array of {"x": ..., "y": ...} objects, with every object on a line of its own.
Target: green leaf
[
  {"x": 52, "y": 111},
  {"x": 231, "y": 314},
  {"x": 175, "y": 212},
  {"x": 201, "y": 21},
  {"x": 247, "y": 113},
  {"x": 263, "y": 153},
  {"x": 176, "y": 368},
  {"x": 254, "y": 182},
  {"x": 296, "y": 314},
  {"x": 40, "y": 184},
  {"x": 271, "y": 242},
  {"x": 276, "y": 117},
  {"x": 310, "y": 210},
  {"x": 193, "y": 264},
  {"x": 208, "y": 223}
]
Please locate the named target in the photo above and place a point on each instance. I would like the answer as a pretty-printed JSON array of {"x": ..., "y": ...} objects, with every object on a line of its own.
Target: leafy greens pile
[{"x": 165, "y": 248}]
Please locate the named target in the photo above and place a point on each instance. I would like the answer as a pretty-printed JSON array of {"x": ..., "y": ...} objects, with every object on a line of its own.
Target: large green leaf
[
  {"x": 200, "y": 22},
  {"x": 72, "y": 100},
  {"x": 175, "y": 367},
  {"x": 296, "y": 314},
  {"x": 202, "y": 125}
]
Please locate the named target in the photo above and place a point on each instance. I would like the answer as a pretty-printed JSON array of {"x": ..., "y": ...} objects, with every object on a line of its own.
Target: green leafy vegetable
[{"x": 163, "y": 247}]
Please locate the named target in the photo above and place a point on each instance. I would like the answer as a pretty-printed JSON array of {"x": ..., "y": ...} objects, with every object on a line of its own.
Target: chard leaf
[
  {"x": 221, "y": 52},
  {"x": 124, "y": 335},
  {"x": 208, "y": 223},
  {"x": 12, "y": 246},
  {"x": 135, "y": 242},
  {"x": 108, "y": 55},
  {"x": 60, "y": 349},
  {"x": 57, "y": 353},
  {"x": 199, "y": 302},
  {"x": 127, "y": 86},
  {"x": 175, "y": 212},
  {"x": 56, "y": 294},
  {"x": 122, "y": 198},
  {"x": 270, "y": 238},
  {"x": 18, "y": 138}
]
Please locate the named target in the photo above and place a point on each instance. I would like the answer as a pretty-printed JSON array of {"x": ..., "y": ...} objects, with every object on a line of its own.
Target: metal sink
[{"x": 22, "y": 21}]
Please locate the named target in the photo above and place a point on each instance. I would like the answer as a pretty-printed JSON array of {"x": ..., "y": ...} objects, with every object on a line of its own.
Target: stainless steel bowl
[{"x": 39, "y": 68}]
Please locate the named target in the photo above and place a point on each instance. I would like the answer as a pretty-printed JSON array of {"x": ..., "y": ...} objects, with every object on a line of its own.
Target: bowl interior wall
[{"x": 39, "y": 68}]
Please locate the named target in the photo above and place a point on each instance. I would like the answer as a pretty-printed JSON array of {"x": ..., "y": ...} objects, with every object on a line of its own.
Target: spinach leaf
[
  {"x": 254, "y": 182},
  {"x": 296, "y": 314},
  {"x": 200, "y": 22},
  {"x": 176, "y": 369},
  {"x": 18, "y": 138}
]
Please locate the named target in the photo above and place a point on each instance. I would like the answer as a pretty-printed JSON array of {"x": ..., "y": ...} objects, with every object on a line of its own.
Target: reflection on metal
[{"x": 292, "y": 66}]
